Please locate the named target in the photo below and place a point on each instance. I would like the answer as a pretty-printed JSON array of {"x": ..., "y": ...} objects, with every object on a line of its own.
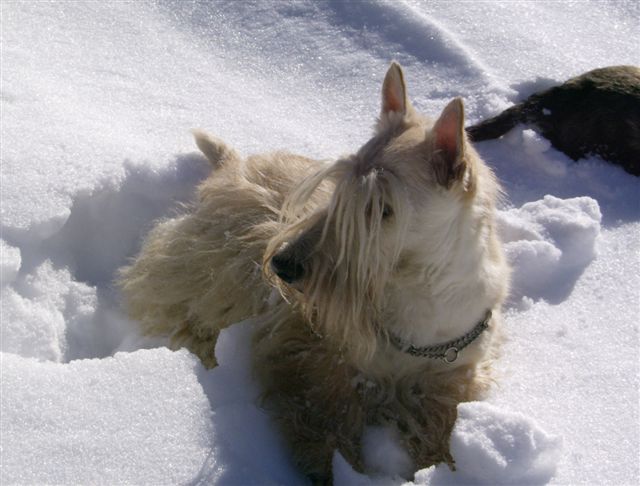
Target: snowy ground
[{"x": 97, "y": 102}]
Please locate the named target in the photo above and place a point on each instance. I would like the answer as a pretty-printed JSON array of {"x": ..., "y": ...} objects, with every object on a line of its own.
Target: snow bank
[
  {"x": 148, "y": 417},
  {"x": 529, "y": 170},
  {"x": 104, "y": 226},
  {"x": 10, "y": 261},
  {"x": 104, "y": 99},
  {"x": 549, "y": 243},
  {"x": 490, "y": 445},
  {"x": 247, "y": 442},
  {"x": 57, "y": 302},
  {"x": 96, "y": 146},
  {"x": 574, "y": 366},
  {"x": 493, "y": 446},
  {"x": 49, "y": 315},
  {"x": 519, "y": 41},
  {"x": 37, "y": 316},
  {"x": 138, "y": 418}
]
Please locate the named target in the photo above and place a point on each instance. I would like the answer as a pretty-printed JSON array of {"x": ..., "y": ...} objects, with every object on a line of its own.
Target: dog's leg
[
  {"x": 310, "y": 391},
  {"x": 202, "y": 343},
  {"x": 320, "y": 419},
  {"x": 425, "y": 410},
  {"x": 427, "y": 433}
]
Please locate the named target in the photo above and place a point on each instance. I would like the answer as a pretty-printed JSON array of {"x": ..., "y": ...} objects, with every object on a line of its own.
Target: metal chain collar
[{"x": 447, "y": 352}]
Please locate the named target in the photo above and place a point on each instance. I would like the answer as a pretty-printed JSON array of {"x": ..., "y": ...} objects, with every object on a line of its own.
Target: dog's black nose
[{"x": 287, "y": 268}]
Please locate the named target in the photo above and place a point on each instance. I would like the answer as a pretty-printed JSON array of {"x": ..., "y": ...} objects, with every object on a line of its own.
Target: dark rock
[{"x": 595, "y": 113}]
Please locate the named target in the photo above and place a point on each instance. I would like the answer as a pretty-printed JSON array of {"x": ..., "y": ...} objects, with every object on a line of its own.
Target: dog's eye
[{"x": 385, "y": 213}]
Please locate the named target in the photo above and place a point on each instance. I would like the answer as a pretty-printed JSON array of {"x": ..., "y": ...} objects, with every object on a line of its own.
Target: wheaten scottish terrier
[{"x": 388, "y": 272}]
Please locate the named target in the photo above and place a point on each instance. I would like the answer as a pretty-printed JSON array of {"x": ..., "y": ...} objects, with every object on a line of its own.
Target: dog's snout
[{"x": 287, "y": 268}]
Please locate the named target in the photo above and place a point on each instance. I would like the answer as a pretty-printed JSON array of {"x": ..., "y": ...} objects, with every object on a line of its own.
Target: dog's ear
[
  {"x": 394, "y": 91},
  {"x": 449, "y": 144}
]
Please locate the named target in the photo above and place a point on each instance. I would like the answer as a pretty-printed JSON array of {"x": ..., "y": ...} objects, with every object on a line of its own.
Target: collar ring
[{"x": 450, "y": 355}]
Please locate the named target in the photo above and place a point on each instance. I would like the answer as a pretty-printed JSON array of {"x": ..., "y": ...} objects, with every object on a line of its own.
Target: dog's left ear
[
  {"x": 449, "y": 144},
  {"x": 394, "y": 91}
]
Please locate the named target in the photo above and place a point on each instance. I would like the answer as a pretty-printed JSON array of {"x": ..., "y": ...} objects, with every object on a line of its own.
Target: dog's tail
[{"x": 214, "y": 149}]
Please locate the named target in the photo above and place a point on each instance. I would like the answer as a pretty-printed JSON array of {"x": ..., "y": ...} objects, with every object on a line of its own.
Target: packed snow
[
  {"x": 140, "y": 417},
  {"x": 97, "y": 102}
]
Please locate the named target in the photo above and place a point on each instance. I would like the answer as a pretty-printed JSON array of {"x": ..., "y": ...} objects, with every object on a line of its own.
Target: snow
[
  {"x": 134, "y": 418},
  {"x": 10, "y": 261},
  {"x": 97, "y": 102},
  {"x": 494, "y": 446},
  {"x": 45, "y": 309},
  {"x": 383, "y": 454},
  {"x": 573, "y": 366},
  {"x": 548, "y": 244}
]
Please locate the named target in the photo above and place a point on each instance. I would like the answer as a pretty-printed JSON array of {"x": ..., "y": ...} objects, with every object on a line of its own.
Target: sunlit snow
[{"x": 98, "y": 99}]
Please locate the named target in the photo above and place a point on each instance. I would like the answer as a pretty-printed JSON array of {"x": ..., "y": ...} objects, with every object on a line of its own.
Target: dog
[
  {"x": 597, "y": 113},
  {"x": 378, "y": 280}
]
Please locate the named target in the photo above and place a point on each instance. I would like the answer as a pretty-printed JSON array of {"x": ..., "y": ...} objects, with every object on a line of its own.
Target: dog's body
[
  {"x": 383, "y": 252},
  {"x": 597, "y": 113}
]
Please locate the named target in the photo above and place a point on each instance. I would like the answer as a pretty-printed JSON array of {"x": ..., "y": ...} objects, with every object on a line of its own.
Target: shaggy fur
[
  {"x": 397, "y": 239},
  {"x": 595, "y": 113}
]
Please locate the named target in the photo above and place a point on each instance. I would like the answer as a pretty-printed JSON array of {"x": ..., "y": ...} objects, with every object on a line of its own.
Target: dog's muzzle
[{"x": 288, "y": 269}]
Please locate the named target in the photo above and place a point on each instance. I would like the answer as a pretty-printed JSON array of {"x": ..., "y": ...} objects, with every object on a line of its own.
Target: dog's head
[{"x": 395, "y": 207}]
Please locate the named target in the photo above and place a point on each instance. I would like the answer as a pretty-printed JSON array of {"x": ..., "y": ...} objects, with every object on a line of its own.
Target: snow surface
[{"x": 97, "y": 102}]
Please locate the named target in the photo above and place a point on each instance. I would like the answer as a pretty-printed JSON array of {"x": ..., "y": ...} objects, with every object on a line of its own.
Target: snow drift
[{"x": 97, "y": 103}]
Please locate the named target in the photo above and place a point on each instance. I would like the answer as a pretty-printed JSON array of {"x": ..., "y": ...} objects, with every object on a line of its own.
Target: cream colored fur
[{"x": 398, "y": 238}]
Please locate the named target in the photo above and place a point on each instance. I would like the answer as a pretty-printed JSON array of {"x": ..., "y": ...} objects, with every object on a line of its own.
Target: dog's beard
[{"x": 348, "y": 266}]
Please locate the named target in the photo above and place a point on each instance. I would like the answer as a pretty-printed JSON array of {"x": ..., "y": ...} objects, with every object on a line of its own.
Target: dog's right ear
[
  {"x": 394, "y": 91},
  {"x": 450, "y": 144}
]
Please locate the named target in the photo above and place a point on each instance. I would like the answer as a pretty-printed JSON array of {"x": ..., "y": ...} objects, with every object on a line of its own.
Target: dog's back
[{"x": 200, "y": 272}]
